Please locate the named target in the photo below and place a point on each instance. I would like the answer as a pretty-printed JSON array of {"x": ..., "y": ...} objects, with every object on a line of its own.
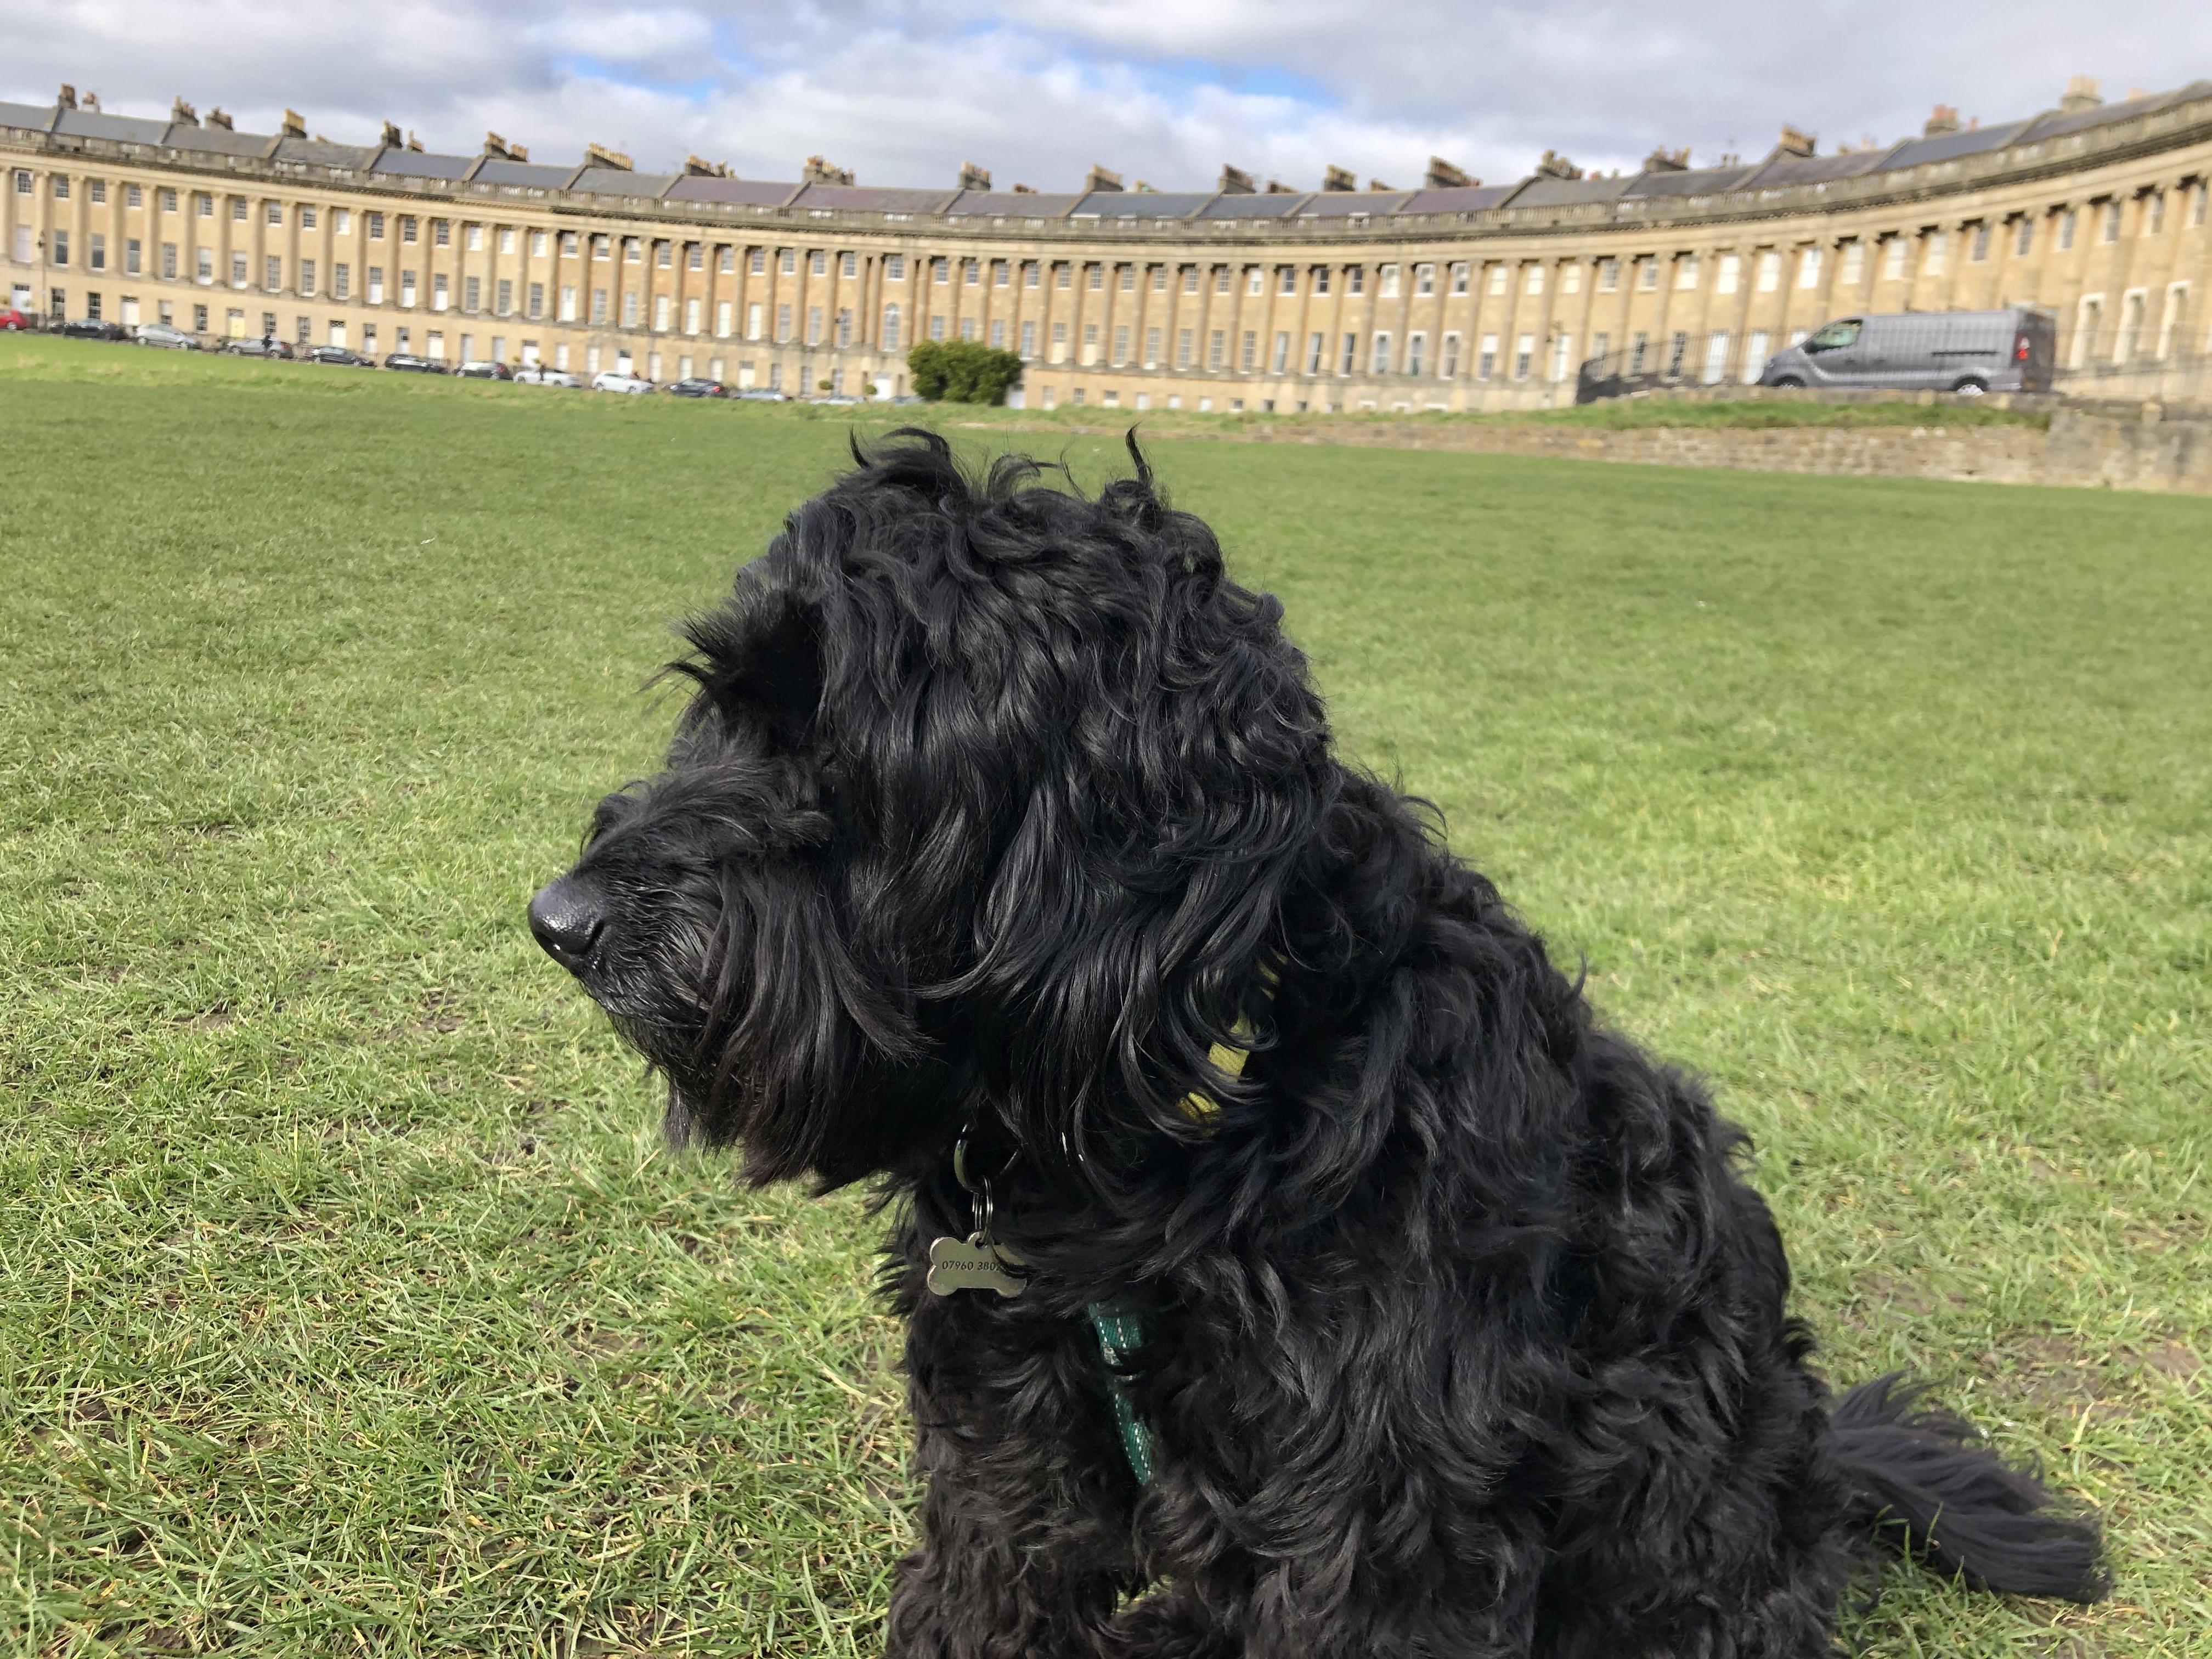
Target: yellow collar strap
[{"x": 1202, "y": 1109}]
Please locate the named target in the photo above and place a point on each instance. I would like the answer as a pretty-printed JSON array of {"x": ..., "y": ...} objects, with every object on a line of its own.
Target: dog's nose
[{"x": 568, "y": 919}]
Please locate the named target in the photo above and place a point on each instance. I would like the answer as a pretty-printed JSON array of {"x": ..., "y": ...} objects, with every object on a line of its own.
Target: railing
[{"x": 2137, "y": 362}]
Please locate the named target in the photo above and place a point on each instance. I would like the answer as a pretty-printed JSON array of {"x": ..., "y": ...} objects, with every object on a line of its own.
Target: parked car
[
  {"x": 538, "y": 374},
  {"x": 839, "y": 399},
  {"x": 340, "y": 356},
  {"x": 92, "y": 328},
  {"x": 614, "y": 380},
  {"x": 167, "y": 336},
  {"x": 259, "y": 346},
  {"x": 1968, "y": 351},
  {"x": 481, "y": 369},
  {"x": 414, "y": 365},
  {"x": 696, "y": 387},
  {"x": 761, "y": 395},
  {"x": 13, "y": 321}
]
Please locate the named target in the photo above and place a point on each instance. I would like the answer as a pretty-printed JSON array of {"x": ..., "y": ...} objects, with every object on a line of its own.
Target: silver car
[
  {"x": 537, "y": 375},
  {"x": 167, "y": 336},
  {"x": 1964, "y": 351}
]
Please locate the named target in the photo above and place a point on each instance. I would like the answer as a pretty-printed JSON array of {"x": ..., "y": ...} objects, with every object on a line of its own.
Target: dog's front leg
[{"x": 1025, "y": 1527}]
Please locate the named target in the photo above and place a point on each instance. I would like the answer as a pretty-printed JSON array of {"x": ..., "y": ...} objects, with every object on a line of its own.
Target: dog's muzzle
[{"x": 569, "y": 919}]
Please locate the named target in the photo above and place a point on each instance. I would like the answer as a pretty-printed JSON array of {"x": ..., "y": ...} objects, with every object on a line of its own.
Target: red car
[{"x": 13, "y": 321}]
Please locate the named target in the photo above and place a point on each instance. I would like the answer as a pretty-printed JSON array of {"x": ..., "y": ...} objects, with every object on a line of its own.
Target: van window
[{"x": 1835, "y": 335}]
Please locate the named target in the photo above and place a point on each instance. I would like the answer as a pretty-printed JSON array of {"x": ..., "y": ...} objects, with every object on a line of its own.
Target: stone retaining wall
[{"x": 2080, "y": 450}]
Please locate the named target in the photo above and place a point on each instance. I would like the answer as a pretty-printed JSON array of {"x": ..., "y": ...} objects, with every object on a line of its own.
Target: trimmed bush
[{"x": 961, "y": 372}]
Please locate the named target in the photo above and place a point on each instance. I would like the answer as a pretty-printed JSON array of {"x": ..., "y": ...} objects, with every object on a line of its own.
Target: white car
[
  {"x": 537, "y": 375},
  {"x": 614, "y": 380}
]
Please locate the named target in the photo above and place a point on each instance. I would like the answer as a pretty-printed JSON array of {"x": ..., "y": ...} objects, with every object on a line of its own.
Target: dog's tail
[{"x": 1928, "y": 1494}]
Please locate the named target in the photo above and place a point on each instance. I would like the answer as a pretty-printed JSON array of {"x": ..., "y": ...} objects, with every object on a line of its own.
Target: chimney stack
[
  {"x": 91, "y": 102},
  {"x": 295, "y": 124},
  {"x": 496, "y": 147},
  {"x": 1277, "y": 187},
  {"x": 1942, "y": 122},
  {"x": 68, "y": 98},
  {"x": 216, "y": 118},
  {"x": 184, "y": 114},
  {"x": 696, "y": 168},
  {"x": 598, "y": 155},
  {"x": 1555, "y": 166},
  {"x": 1025, "y": 190},
  {"x": 1235, "y": 181},
  {"x": 392, "y": 138},
  {"x": 1442, "y": 175},
  {"x": 1795, "y": 141},
  {"x": 1663, "y": 160},
  {"x": 2081, "y": 93},
  {"x": 1339, "y": 179},
  {"x": 819, "y": 171},
  {"x": 973, "y": 177},
  {"x": 1101, "y": 179}
]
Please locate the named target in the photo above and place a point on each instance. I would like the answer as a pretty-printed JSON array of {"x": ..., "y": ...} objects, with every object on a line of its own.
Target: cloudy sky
[{"x": 904, "y": 91}]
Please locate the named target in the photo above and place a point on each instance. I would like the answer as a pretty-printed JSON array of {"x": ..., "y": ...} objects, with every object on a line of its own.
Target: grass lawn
[{"x": 348, "y": 1304}]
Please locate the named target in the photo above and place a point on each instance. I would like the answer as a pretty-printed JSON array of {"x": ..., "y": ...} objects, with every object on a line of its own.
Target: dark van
[{"x": 1968, "y": 351}]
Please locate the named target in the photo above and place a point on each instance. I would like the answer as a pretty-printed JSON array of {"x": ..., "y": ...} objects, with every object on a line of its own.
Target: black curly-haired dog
[{"x": 1002, "y": 829}]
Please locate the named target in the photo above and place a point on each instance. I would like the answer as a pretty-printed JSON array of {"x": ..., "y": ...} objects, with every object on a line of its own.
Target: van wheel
[
  {"x": 1792, "y": 382},
  {"x": 1969, "y": 388}
]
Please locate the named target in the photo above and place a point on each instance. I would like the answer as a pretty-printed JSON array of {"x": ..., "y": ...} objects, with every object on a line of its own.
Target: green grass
[{"x": 348, "y": 1305}]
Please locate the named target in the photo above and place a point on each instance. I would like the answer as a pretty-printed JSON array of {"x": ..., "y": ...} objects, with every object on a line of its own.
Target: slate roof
[
  {"x": 320, "y": 152},
  {"x": 125, "y": 129},
  {"x": 1140, "y": 203},
  {"x": 1777, "y": 172},
  {"x": 217, "y": 141},
  {"x": 1782, "y": 170},
  {"x": 1545, "y": 191},
  {"x": 1698, "y": 181},
  {"x": 1951, "y": 145},
  {"x": 1013, "y": 204},
  {"x": 1278, "y": 206},
  {"x": 492, "y": 170},
  {"x": 1458, "y": 199},
  {"x": 743, "y": 192},
  {"x": 2054, "y": 125},
  {"x": 419, "y": 164},
  {"x": 873, "y": 198},
  {"x": 617, "y": 181},
  {"x": 1346, "y": 204}
]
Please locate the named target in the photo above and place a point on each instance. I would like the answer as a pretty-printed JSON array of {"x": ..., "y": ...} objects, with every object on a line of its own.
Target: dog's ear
[{"x": 759, "y": 665}]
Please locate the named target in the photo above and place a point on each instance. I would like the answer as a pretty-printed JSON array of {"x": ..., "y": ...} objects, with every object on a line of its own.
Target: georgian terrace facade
[{"x": 1455, "y": 296}]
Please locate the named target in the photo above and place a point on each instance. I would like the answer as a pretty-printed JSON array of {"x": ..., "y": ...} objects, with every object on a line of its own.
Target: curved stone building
[{"x": 1455, "y": 296}]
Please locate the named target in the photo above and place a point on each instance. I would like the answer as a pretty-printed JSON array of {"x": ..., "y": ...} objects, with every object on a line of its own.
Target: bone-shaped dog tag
[{"x": 973, "y": 1265}]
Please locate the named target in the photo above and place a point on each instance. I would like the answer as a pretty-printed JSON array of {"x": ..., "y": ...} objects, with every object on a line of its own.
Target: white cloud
[{"x": 904, "y": 91}]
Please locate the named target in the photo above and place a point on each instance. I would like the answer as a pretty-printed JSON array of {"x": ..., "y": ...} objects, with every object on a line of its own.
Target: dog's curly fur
[{"x": 997, "y": 807}]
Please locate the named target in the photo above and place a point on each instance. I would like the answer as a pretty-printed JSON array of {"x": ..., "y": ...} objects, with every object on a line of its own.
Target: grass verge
[{"x": 348, "y": 1303}]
